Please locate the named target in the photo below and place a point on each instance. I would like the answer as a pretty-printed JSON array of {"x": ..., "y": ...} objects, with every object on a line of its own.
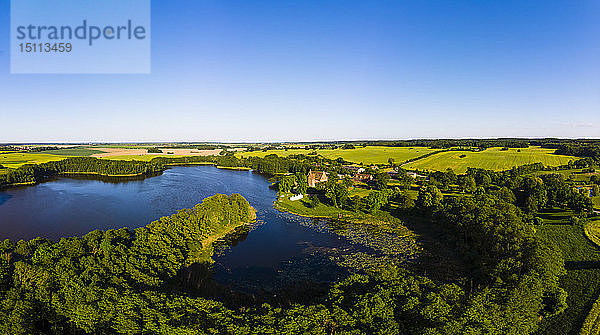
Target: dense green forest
[
  {"x": 33, "y": 173},
  {"x": 117, "y": 280},
  {"x": 124, "y": 281}
]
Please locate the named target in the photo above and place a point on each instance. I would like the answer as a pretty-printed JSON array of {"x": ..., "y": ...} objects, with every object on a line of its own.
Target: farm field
[
  {"x": 366, "y": 155},
  {"x": 592, "y": 231},
  {"x": 70, "y": 152},
  {"x": 591, "y": 325},
  {"x": 141, "y": 157},
  {"x": 120, "y": 152},
  {"x": 14, "y": 160},
  {"x": 492, "y": 159}
]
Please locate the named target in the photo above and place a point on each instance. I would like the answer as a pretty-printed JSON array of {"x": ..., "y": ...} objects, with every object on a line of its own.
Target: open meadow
[
  {"x": 492, "y": 159},
  {"x": 365, "y": 155},
  {"x": 15, "y": 160}
]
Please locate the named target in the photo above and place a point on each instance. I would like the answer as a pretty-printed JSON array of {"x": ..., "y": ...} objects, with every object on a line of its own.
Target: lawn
[
  {"x": 301, "y": 207},
  {"x": 361, "y": 192},
  {"x": 366, "y": 155},
  {"x": 491, "y": 159}
]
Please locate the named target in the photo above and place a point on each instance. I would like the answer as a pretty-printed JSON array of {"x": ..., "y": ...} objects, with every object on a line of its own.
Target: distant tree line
[
  {"x": 33, "y": 173},
  {"x": 578, "y": 149},
  {"x": 270, "y": 164},
  {"x": 154, "y": 150},
  {"x": 28, "y": 149}
]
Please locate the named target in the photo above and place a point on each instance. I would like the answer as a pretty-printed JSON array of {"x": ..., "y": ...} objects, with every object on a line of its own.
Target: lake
[{"x": 277, "y": 247}]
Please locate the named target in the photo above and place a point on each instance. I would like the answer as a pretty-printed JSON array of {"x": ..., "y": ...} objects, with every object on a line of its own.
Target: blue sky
[{"x": 327, "y": 70}]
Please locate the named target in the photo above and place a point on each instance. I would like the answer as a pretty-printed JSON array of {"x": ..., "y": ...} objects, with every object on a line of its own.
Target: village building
[
  {"x": 414, "y": 175},
  {"x": 315, "y": 177},
  {"x": 362, "y": 177},
  {"x": 355, "y": 169}
]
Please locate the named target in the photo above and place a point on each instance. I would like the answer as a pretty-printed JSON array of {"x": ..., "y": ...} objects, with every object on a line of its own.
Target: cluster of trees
[
  {"x": 507, "y": 261},
  {"x": 27, "y": 149},
  {"x": 154, "y": 150},
  {"x": 578, "y": 149},
  {"x": 404, "y": 181},
  {"x": 337, "y": 194},
  {"x": 513, "y": 278},
  {"x": 528, "y": 191},
  {"x": 550, "y": 190},
  {"x": 270, "y": 164},
  {"x": 273, "y": 164},
  {"x": 117, "y": 281},
  {"x": 293, "y": 182},
  {"x": 32, "y": 173}
]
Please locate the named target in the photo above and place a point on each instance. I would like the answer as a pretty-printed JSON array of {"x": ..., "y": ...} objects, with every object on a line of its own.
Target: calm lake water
[{"x": 73, "y": 207}]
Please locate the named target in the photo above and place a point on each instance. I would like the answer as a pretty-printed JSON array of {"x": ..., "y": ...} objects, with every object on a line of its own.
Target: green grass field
[
  {"x": 591, "y": 325},
  {"x": 144, "y": 158},
  {"x": 14, "y": 160},
  {"x": 592, "y": 231},
  {"x": 72, "y": 152},
  {"x": 361, "y": 192},
  {"x": 366, "y": 155},
  {"x": 491, "y": 159},
  {"x": 301, "y": 207}
]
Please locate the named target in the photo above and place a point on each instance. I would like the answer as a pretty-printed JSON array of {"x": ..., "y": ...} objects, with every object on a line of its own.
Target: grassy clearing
[
  {"x": 14, "y": 160},
  {"x": 361, "y": 192},
  {"x": 596, "y": 201},
  {"x": 366, "y": 155},
  {"x": 301, "y": 207},
  {"x": 491, "y": 159}
]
